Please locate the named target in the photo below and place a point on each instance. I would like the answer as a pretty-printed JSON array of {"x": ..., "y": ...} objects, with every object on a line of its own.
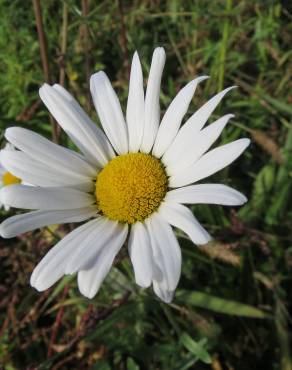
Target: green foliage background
[{"x": 231, "y": 310}]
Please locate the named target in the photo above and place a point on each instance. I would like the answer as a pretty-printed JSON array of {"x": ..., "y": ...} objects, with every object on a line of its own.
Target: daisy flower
[
  {"x": 6, "y": 178},
  {"x": 131, "y": 180}
]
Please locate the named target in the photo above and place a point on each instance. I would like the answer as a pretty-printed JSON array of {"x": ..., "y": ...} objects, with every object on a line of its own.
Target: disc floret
[{"x": 131, "y": 187}]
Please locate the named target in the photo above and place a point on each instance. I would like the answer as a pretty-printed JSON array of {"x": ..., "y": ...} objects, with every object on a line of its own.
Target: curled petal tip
[{"x": 202, "y": 78}]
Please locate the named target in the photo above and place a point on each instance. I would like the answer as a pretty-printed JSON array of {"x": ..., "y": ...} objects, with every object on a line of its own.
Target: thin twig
[
  {"x": 28, "y": 112},
  {"x": 92, "y": 318},
  {"x": 44, "y": 55},
  {"x": 60, "y": 365},
  {"x": 57, "y": 324},
  {"x": 85, "y": 39},
  {"x": 62, "y": 58},
  {"x": 4, "y": 326},
  {"x": 64, "y": 34},
  {"x": 124, "y": 38},
  {"x": 42, "y": 39}
]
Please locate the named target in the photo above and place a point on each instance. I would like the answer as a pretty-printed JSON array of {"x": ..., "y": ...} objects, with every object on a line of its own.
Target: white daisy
[
  {"x": 132, "y": 179},
  {"x": 6, "y": 178}
]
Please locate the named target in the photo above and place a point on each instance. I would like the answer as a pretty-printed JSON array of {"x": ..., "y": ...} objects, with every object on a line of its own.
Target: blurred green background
[{"x": 231, "y": 309}]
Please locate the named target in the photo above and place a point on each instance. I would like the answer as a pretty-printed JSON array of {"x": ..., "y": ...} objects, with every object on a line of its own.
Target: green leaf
[
  {"x": 262, "y": 189},
  {"x": 131, "y": 364},
  {"x": 101, "y": 365},
  {"x": 221, "y": 305},
  {"x": 197, "y": 348},
  {"x": 277, "y": 103},
  {"x": 279, "y": 204}
]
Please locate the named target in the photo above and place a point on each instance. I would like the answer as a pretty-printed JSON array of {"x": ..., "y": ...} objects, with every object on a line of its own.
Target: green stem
[{"x": 223, "y": 49}]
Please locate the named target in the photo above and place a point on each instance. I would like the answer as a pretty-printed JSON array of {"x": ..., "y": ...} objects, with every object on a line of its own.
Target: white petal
[
  {"x": 165, "y": 295},
  {"x": 209, "y": 163},
  {"x": 182, "y": 218},
  {"x": 19, "y": 224},
  {"x": 173, "y": 116},
  {"x": 2, "y": 170},
  {"x": 78, "y": 126},
  {"x": 194, "y": 147},
  {"x": 91, "y": 246},
  {"x": 135, "y": 106},
  {"x": 89, "y": 281},
  {"x": 141, "y": 254},
  {"x": 105, "y": 150},
  {"x": 152, "y": 107},
  {"x": 31, "y": 197},
  {"x": 9, "y": 146},
  {"x": 36, "y": 173},
  {"x": 109, "y": 111},
  {"x": 166, "y": 253},
  {"x": 52, "y": 267},
  {"x": 194, "y": 124},
  {"x": 47, "y": 152},
  {"x": 200, "y": 117},
  {"x": 206, "y": 194}
]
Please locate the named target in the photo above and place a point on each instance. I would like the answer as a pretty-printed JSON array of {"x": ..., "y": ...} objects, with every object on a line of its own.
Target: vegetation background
[{"x": 231, "y": 309}]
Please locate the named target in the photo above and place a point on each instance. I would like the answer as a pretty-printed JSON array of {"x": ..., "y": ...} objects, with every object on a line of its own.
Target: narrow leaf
[{"x": 221, "y": 305}]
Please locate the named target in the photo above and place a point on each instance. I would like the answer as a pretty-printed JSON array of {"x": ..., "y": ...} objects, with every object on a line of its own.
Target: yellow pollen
[
  {"x": 9, "y": 179},
  {"x": 131, "y": 187}
]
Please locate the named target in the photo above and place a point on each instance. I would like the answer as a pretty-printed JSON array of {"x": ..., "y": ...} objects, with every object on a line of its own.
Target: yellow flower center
[
  {"x": 9, "y": 179},
  {"x": 131, "y": 187}
]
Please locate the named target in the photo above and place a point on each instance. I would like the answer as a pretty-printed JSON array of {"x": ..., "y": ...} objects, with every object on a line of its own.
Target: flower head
[{"x": 131, "y": 179}]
